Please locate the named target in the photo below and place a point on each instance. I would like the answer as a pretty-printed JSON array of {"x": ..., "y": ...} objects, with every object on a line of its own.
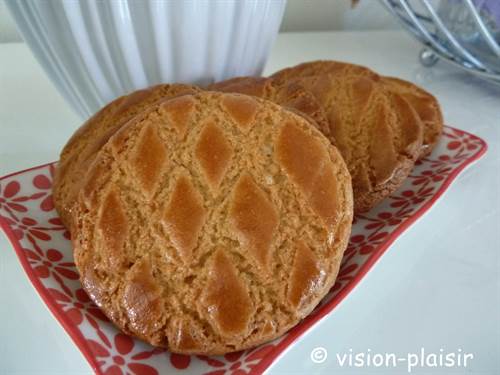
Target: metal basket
[{"x": 465, "y": 33}]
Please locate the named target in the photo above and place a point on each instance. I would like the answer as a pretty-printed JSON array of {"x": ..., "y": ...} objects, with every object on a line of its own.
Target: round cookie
[
  {"x": 426, "y": 106},
  {"x": 82, "y": 147},
  {"x": 289, "y": 94},
  {"x": 377, "y": 132},
  {"x": 214, "y": 232}
]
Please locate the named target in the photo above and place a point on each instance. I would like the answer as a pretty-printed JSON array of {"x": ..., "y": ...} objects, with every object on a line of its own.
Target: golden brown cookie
[
  {"x": 320, "y": 67},
  {"x": 424, "y": 103},
  {"x": 426, "y": 106},
  {"x": 82, "y": 147},
  {"x": 289, "y": 94},
  {"x": 215, "y": 231},
  {"x": 377, "y": 132}
]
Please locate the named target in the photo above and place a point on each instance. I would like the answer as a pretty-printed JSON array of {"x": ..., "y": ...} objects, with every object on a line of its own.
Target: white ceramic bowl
[{"x": 95, "y": 50}]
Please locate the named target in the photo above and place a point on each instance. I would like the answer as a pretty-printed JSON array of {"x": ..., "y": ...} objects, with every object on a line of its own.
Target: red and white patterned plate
[{"x": 42, "y": 244}]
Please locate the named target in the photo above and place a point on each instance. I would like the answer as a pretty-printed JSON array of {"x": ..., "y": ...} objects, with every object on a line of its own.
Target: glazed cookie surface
[
  {"x": 212, "y": 223},
  {"x": 80, "y": 150},
  {"x": 425, "y": 104},
  {"x": 289, "y": 94},
  {"x": 377, "y": 132}
]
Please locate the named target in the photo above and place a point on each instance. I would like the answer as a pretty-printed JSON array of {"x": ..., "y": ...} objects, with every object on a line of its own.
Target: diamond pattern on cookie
[
  {"x": 253, "y": 219},
  {"x": 306, "y": 162},
  {"x": 213, "y": 152},
  {"x": 112, "y": 229},
  {"x": 226, "y": 297},
  {"x": 178, "y": 112},
  {"x": 300, "y": 154},
  {"x": 184, "y": 217},
  {"x": 242, "y": 109},
  {"x": 149, "y": 159},
  {"x": 204, "y": 266},
  {"x": 306, "y": 276}
]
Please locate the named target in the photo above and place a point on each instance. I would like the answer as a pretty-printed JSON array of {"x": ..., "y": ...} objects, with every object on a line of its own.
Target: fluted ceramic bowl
[{"x": 95, "y": 50}]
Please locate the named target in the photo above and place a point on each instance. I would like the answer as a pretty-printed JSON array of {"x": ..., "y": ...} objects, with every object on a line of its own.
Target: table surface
[{"x": 438, "y": 286}]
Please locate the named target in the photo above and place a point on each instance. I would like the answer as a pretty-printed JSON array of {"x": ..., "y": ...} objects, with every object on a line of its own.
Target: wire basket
[{"x": 465, "y": 33}]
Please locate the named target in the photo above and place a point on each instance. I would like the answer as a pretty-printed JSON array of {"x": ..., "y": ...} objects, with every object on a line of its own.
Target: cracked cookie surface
[{"x": 216, "y": 230}]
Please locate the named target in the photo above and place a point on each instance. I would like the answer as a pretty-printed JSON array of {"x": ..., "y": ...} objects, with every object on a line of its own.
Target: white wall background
[{"x": 300, "y": 15}]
